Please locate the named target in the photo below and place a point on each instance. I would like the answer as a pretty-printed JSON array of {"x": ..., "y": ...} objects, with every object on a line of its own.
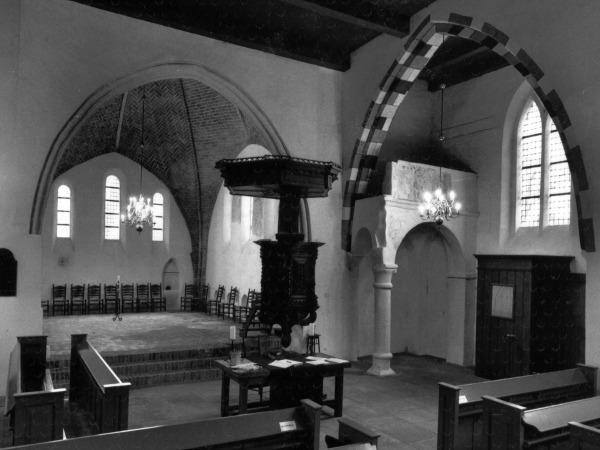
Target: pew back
[
  {"x": 511, "y": 426},
  {"x": 584, "y": 437},
  {"x": 95, "y": 388},
  {"x": 459, "y": 412},
  {"x": 292, "y": 428},
  {"x": 34, "y": 407}
]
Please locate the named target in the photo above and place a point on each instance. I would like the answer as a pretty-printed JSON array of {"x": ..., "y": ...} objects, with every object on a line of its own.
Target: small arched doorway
[
  {"x": 429, "y": 294},
  {"x": 170, "y": 280}
]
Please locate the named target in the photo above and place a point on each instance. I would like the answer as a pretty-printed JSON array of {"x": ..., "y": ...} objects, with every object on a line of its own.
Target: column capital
[{"x": 383, "y": 268}]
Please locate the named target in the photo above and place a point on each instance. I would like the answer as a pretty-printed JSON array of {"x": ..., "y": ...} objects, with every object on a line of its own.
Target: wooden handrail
[{"x": 96, "y": 388}]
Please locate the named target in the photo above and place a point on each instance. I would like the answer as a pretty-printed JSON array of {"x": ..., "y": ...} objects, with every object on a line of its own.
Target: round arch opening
[{"x": 428, "y": 295}]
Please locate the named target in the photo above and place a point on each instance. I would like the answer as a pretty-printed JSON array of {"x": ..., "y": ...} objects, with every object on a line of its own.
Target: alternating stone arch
[{"x": 419, "y": 48}]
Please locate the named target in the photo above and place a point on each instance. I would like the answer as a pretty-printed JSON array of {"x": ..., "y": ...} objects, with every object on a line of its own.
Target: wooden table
[
  {"x": 245, "y": 380},
  {"x": 287, "y": 385}
]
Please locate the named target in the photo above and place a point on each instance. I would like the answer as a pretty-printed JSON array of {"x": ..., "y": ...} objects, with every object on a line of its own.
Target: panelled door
[{"x": 502, "y": 339}]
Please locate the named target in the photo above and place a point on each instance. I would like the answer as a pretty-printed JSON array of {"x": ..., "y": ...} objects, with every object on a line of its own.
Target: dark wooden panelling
[{"x": 546, "y": 331}]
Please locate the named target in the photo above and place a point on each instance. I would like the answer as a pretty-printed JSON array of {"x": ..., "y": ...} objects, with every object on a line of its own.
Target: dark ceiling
[
  {"x": 321, "y": 32},
  {"x": 459, "y": 60}
]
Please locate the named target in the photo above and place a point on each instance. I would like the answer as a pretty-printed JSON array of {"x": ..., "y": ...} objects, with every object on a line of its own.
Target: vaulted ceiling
[{"x": 188, "y": 126}]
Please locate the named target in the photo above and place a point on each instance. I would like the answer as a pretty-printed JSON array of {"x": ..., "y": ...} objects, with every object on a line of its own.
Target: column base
[{"x": 380, "y": 367}]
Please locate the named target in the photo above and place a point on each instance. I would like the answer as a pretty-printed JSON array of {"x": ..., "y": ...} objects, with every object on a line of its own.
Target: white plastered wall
[{"x": 87, "y": 257}]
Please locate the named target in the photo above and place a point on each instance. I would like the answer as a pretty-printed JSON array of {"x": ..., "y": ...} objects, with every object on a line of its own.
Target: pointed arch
[
  {"x": 419, "y": 48},
  {"x": 124, "y": 84}
]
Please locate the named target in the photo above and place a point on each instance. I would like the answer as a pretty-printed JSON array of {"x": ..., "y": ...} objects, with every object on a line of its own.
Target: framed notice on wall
[{"x": 502, "y": 301}]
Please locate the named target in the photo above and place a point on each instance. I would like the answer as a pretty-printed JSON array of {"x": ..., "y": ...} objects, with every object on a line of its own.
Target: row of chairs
[
  {"x": 194, "y": 298},
  {"x": 232, "y": 308},
  {"x": 126, "y": 297}
]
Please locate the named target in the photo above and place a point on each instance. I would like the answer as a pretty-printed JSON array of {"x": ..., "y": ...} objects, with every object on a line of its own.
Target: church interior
[{"x": 382, "y": 206}]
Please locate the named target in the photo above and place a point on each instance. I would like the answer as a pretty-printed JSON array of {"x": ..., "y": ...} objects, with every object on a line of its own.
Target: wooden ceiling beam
[
  {"x": 479, "y": 51},
  {"x": 353, "y": 13}
]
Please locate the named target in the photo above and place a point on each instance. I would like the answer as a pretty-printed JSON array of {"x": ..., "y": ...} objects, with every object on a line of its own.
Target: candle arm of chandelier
[{"x": 439, "y": 207}]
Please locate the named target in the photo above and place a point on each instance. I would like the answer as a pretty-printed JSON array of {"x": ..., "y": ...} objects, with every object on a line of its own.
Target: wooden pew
[
  {"x": 584, "y": 437},
  {"x": 96, "y": 389},
  {"x": 351, "y": 433},
  {"x": 35, "y": 408},
  {"x": 291, "y": 428},
  {"x": 508, "y": 426},
  {"x": 459, "y": 410}
]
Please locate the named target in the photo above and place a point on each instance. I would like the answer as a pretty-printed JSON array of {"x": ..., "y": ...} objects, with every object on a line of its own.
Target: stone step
[
  {"x": 173, "y": 377},
  {"x": 153, "y": 369}
]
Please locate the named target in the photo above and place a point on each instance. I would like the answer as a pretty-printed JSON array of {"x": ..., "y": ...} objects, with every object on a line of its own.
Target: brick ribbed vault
[
  {"x": 188, "y": 126},
  {"x": 419, "y": 49}
]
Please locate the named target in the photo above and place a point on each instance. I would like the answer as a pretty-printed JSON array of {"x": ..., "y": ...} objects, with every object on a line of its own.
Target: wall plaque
[{"x": 502, "y": 301}]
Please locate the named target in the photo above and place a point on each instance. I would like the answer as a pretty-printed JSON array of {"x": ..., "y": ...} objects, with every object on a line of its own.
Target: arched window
[
  {"x": 544, "y": 181},
  {"x": 112, "y": 208},
  {"x": 63, "y": 212},
  {"x": 158, "y": 211}
]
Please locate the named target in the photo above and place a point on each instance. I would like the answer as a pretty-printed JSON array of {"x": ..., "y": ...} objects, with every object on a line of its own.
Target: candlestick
[
  {"x": 232, "y": 332},
  {"x": 312, "y": 329}
]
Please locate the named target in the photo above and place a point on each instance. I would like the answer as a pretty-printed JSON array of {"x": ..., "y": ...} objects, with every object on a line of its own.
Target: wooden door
[{"x": 503, "y": 311}]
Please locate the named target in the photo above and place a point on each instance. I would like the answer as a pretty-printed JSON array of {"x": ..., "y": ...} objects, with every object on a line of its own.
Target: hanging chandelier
[
  {"x": 438, "y": 206},
  {"x": 139, "y": 209}
]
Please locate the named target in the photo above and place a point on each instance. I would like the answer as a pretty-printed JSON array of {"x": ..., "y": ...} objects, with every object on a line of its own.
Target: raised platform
[{"x": 147, "y": 349}]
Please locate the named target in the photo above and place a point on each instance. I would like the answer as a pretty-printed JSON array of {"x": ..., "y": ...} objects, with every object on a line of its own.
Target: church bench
[
  {"x": 95, "y": 388},
  {"x": 460, "y": 407},
  {"x": 584, "y": 437},
  {"x": 34, "y": 407},
  {"x": 291, "y": 428},
  {"x": 350, "y": 434},
  {"x": 511, "y": 427}
]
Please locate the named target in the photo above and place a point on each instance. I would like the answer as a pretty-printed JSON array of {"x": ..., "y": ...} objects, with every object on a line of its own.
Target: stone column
[{"x": 383, "y": 314}]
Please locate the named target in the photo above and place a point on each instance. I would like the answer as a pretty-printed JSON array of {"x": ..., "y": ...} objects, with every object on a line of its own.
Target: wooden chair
[
  {"x": 204, "y": 290},
  {"x": 226, "y": 308},
  {"x": 157, "y": 301},
  {"x": 59, "y": 299},
  {"x": 253, "y": 330},
  {"x": 142, "y": 298},
  {"x": 111, "y": 298},
  {"x": 127, "y": 298},
  {"x": 200, "y": 301},
  {"x": 240, "y": 312},
  {"x": 213, "y": 305},
  {"x": 94, "y": 298},
  {"x": 189, "y": 293},
  {"x": 78, "y": 298}
]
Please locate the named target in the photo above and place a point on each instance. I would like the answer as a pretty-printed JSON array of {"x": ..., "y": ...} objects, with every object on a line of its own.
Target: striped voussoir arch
[{"x": 419, "y": 49}]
